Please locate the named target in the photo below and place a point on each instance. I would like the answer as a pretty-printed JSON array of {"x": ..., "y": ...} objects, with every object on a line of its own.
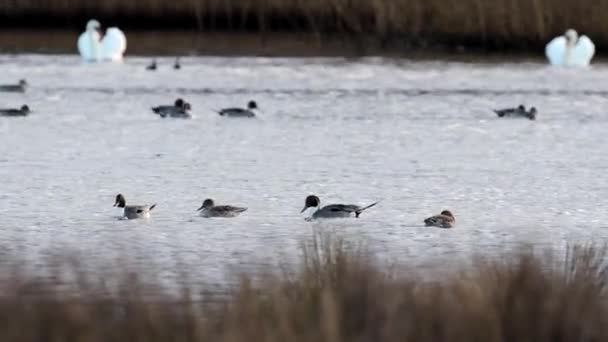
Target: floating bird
[
  {"x": 249, "y": 112},
  {"x": 152, "y": 66},
  {"x": 176, "y": 65},
  {"x": 570, "y": 50},
  {"x": 519, "y": 111},
  {"x": 178, "y": 110},
  {"x": 443, "y": 220},
  {"x": 209, "y": 209},
  {"x": 133, "y": 211},
  {"x": 19, "y": 87},
  {"x": 333, "y": 210},
  {"x": 23, "y": 111},
  {"x": 93, "y": 48}
]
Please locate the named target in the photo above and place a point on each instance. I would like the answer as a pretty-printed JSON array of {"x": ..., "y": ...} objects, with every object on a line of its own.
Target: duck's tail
[
  {"x": 360, "y": 210},
  {"x": 152, "y": 207}
]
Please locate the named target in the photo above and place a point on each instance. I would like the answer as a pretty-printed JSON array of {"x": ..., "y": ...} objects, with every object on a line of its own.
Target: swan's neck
[{"x": 95, "y": 45}]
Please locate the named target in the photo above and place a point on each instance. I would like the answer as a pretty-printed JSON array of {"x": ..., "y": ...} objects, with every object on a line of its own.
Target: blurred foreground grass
[{"x": 339, "y": 292}]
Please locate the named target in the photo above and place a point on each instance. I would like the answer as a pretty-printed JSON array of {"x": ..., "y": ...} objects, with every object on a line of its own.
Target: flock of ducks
[{"x": 209, "y": 209}]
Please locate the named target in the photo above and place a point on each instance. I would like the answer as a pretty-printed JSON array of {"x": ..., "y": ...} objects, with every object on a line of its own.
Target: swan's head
[
  {"x": 571, "y": 36},
  {"x": 93, "y": 25}
]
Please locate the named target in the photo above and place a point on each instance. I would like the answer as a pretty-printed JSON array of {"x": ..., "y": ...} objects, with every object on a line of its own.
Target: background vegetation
[{"x": 491, "y": 25}]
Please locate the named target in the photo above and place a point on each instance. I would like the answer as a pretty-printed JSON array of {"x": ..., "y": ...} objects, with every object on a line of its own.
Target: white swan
[
  {"x": 570, "y": 50},
  {"x": 93, "y": 48}
]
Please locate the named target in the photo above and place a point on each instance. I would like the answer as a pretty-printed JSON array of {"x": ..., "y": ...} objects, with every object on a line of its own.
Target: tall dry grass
[
  {"x": 492, "y": 24},
  {"x": 338, "y": 293}
]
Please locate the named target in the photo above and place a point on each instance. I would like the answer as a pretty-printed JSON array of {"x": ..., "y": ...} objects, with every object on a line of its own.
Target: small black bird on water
[
  {"x": 152, "y": 66},
  {"x": 177, "y": 66}
]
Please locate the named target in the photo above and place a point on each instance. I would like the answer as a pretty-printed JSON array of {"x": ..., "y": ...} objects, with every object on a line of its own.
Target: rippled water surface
[{"x": 419, "y": 136}]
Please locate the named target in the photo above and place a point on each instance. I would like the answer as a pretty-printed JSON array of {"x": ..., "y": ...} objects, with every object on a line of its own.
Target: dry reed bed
[
  {"x": 338, "y": 293},
  {"x": 497, "y": 23}
]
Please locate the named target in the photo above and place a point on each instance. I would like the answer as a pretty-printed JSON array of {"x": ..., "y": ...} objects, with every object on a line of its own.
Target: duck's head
[
  {"x": 25, "y": 109},
  {"x": 521, "y": 107},
  {"x": 186, "y": 106},
  {"x": 571, "y": 36},
  {"x": 22, "y": 82},
  {"x": 447, "y": 213},
  {"x": 179, "y": 103},
  {"x": 532, "y": 114},
  {"x": 252, "y": 105},
  {"x": 120, "y": 201},
  {"x": 93, "y": 25},
  {"x": 208, "y": 203},
  {"x": 311, "y": 201}
]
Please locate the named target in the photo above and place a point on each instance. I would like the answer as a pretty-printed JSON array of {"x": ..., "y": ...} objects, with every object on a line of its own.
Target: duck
[
  {"x": 333, "y": 210},
  {"x": 177, "y": 65},
  {"x": 133, "y": 211},
  {"x": 151, "y": 66},
  {"x": 93, "y": 48},
  {"x": 248, "y": 112},
  {"x": 23, "y": 111},
  {"x": 209, "y": 209},
  {"x": 19, "y": 87},
  {"x": 570, "y": 49},
  {"x": 443, "y": 220},
  {"x": 179, "y": 110},
  {"x": 519, "y": 111}
]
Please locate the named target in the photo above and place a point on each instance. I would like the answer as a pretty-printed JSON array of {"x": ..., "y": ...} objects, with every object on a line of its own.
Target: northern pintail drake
[
  {"x": 333, "y": 210},
  {"x": 519, "y": 111},
  {"x": 23, "y": 111},
  {"x": 177, "y": 65},
  {"x": 19, "y": 87},
  {"x": 443, "y": 220},
  {"x": 248, "y": 112},
  {"x": 152, "y": 66},
  {"x": 179, "y": 110},
  {"x": 209, "y": 209},
  {"x": 133, "y": 211}
]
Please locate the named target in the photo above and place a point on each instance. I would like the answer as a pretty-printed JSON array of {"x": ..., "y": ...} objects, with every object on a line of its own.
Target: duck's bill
[
  {"x": 303, "y": 210},
  {"x": 115, "y": 204},
  {"x": 199, "y": 209}
]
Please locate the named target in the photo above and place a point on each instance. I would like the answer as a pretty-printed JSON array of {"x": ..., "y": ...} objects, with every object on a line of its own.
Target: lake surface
[{"x": 419, "y": 136}]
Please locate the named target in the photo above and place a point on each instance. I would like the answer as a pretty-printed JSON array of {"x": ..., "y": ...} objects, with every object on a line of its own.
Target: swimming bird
[
  {"x": 133, "y": 211},
  {"x": 443, "y": 220},
  {"x": 23, "y": 111},
  {"x": 209, "y": 209},
  {"x": 178, "y": 110},
  {"x": 19, "y": 87},
  {"x": 249, "y": 112},
  {"x": 176, "y": 65},
  {"x": 93, "y": 48},
  {"x": 570, "y": 50},
  {"x": 333, "y": 210},
  {"x": 519, "y": 111},
  {"x": 152, "y": 66}
]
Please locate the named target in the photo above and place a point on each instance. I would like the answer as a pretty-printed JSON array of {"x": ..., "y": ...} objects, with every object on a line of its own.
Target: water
[{"x": 419, "y": 136}]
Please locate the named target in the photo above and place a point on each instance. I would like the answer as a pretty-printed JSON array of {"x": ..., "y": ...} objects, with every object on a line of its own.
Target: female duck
[
  {"x": 23, "y": 111},
  {"x": 133, "y": 211},
  {"x": 179, "y": 110},
  {"x": 333, "y": 210},
  {"x": 443, "y": 220},
  {"x": 248, "y": 112},
  {"x": 209, "y": 209},
  {"x": 19, "y": 87}
]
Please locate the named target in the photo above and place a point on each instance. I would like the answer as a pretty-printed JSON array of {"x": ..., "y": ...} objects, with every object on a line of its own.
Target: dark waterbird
[
  {"x": 248, "y": 112},
  {"x": 152, "y": 66},
  {"x": 17, "y": 88},
  {"x": 179, "y": 110},
  {"x": 519, "y": 111},
  {"x": 23, "y": 111}
]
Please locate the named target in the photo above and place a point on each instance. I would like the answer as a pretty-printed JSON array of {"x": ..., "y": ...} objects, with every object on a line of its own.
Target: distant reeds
[
  {"x": 493, "y": 25},
  {"x": 337, "y": 293}
]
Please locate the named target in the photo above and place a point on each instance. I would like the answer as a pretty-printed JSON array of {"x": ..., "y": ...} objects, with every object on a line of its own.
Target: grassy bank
[
  {"x": 338, "y": 293},
  {"x": 396, "y": 24}
]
